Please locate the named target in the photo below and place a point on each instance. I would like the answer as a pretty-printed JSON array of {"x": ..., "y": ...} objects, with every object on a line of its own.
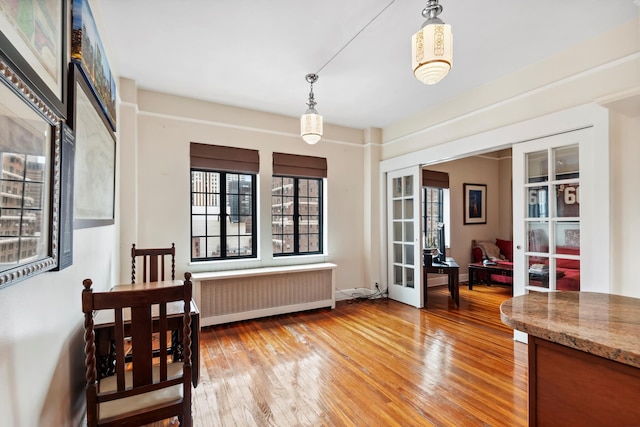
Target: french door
[
  {"x": 547, "y": 213},
  {"x": 404, "y": 247}
]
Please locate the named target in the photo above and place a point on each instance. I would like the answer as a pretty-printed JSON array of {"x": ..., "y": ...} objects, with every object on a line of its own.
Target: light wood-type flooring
[{"x": 367, "y": 363}]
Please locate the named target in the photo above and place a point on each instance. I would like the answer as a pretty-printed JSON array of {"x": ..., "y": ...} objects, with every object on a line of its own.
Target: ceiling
[{"x": 255, "y": 54}]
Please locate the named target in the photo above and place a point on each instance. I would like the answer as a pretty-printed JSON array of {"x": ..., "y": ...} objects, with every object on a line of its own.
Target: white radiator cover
[{"x": 229, "y": 296}]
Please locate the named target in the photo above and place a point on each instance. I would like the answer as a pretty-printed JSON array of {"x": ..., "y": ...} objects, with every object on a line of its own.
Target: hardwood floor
[{"x": 367, "y": 363}]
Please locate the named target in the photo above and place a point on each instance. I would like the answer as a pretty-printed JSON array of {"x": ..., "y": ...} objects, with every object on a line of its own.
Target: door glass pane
[
  {"x": 537, "y": 167},
  {"x": 397, "y": 187},
  {"x": 568, "y": 234},
  {"x": 397, "y": 209},
  {"x": 408, "y": 231},
  {"x": 566, "y": 162},
  {"x": 397, "y": 253},
  {"x": 538, "y": 202},
  {"x": 538, "y": 237},
  {"x": 567, "y": 256},
  {"x": 538, "y": 271},
  {"x": 408, "y": 209},
  {"x": 408, "y": 254},
  {"x": 397, "y": 231},
  {"x": 410, "y": 276},
  {"x": 408, "y": 185},
  {"x": 397, "y": 275},
  {"x": 567, "y": 200}
]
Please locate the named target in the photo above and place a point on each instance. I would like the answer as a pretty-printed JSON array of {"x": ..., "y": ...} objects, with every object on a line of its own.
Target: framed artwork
[
  {"x": 475, "y": 204},
  {"x": 65, "y": 239},
  {"x": 33, "y": 38},
  {"x": 95, "y": 156},
  {"x": 30, "y": 180},
  {"x": 88, "y": 53}
]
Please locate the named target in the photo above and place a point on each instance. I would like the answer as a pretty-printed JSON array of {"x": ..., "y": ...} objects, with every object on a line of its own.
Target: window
[
  {"x": 296, "y": 204},
  {"x": 435, "y": 207},
  {"x": 223, "y": 202},
  {"x": 296, "y": 215},
  {"x": 432, "y": 214}
]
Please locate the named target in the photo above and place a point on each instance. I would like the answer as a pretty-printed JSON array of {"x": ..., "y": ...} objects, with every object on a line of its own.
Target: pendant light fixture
[
  {"x": 432, "y": 46},
  {"x": 311, "y": 121}
]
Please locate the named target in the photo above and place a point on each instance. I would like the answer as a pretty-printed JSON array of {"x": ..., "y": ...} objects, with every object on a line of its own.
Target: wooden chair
[
  {"x": 148, "y": 389},
  {"x": 153, "y": 263}
]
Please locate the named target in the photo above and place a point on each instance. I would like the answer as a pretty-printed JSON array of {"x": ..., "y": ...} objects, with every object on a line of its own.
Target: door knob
[{"x": 518, "y": 247}]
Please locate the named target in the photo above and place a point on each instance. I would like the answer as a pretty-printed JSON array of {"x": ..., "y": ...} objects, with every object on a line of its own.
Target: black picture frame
[
  {"x": 89, "y": 54},
  {"x": 95, "y": 155},
  {"x": 30, "y": 133},
  {"x": 475, "y": 204},
  {"x": 41, "y": 61},
  {"x": 65, "y": 239}
]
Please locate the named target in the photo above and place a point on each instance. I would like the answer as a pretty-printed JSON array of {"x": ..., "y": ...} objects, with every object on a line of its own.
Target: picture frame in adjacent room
[
  {"x": 30, "y": 133},
  {"x": 87, "y": 51},
  {"x": 475, "y": 204},
  {"x": 33, "y": 39},
  {"x": 95, "y": 156}
]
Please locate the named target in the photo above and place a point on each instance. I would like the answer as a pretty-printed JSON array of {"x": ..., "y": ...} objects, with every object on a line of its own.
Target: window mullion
[
  {"x": 296, "y": 217},
  {"x": 223, "y": 214}
]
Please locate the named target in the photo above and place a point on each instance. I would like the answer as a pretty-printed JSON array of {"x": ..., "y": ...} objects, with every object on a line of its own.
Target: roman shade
[
  {"x": 227, "y": 159},
  {"x": 435, "y": 179},
  {"x": 299, "y": 166}
]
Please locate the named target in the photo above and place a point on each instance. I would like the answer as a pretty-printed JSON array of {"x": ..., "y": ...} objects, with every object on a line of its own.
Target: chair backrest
[
  {"x": 142, "y": 319},
  {"x": 153, "y": 263}
]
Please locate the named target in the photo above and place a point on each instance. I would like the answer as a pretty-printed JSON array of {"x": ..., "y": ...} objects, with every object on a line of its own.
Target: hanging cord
[{"x": 354, "y": 37}]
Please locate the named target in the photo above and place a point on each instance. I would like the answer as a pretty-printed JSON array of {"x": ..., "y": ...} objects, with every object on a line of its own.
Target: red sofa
[
  {"x": 568, "y": 270},
  {"x": 480, "y": 252}
]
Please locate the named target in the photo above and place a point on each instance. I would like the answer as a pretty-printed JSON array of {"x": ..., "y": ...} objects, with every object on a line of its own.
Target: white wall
[
  {"x": 625, "y": 202},
  {"x": 160, "y": 214},
  {"x": 41, "y": 337}
]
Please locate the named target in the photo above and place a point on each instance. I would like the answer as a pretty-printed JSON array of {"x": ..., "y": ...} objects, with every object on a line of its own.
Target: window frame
[
  {"x": 296, "y": 217},
  {"x": 224, "y": 217},
  {"x": 443, "y": 214}
]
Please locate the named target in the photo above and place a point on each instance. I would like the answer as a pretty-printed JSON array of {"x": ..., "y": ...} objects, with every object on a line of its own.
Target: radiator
[{"x": 229, "y": 296}]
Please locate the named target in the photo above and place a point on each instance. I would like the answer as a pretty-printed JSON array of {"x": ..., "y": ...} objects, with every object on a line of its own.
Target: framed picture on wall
[
  {"x": 30, "y": 180},
  {"x": 95, "y": 156},
  {"x": 88, "y": 53},
  {"x": 33, "y": 38},
  {"x": 65, "y": 241},
  {"x": 475, "y": 204}
]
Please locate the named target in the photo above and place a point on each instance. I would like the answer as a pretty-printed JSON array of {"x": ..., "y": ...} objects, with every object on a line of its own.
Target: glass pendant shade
[
  {"x": 432, "y": 52},
  {"x": 311, "y": 126}
]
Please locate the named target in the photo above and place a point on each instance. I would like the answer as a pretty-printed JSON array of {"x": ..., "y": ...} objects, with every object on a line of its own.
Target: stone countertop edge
[{"x": 604, "y": 325}]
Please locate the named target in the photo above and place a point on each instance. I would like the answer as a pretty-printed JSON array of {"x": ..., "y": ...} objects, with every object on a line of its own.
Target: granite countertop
[{"x": 605, "y": 325}]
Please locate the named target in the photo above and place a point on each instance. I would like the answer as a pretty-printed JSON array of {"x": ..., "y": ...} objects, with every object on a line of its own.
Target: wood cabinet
[
  {"x": 571, "y": 387},
  {"x": 584, "y": 357}
]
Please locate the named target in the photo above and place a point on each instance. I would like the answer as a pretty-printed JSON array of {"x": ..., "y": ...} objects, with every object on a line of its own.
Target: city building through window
[
  {"x": 223, "y": 202},
  {"x": 297, "y": 204}
]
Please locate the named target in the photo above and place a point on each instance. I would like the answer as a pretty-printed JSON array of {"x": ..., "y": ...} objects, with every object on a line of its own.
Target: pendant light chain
[
  {"x": 354, "y": 37},
  {"x": 311, "y": 127}
]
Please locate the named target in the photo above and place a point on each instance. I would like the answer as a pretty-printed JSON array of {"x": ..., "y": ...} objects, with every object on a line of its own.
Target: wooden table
[
  {"x": 452, "y": 270},
  {"x": 104, "y": 323},
  {"x": 500, "y": 269}
]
